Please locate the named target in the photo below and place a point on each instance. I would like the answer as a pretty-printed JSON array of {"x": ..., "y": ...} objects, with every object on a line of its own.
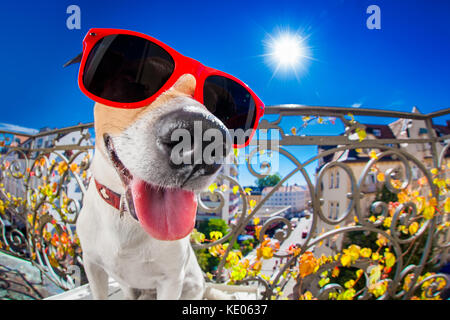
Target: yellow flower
[
  {"x": 235, "y": 189},
  {"x": 349, "y": 284},
  {"x": 378, "y": 289},
  {"x": 434, "y": 171},
  {"x": 433, "y": 202},
  {"x": 267, "y": 252},
  {"x": 359, "y": 273},
  {"x": 346, "y": 260},
  {"x": 347, "y": 294},
  {"x": 212, "y": 187},
  {"x": 306, "y": 296},
  {"x": 413, "y": 227},
  {"x": 294, "y": 131},
  {"x": 447, "y": 205},
  {"x": 361, "y": 134},
  {"x": 381, "y": 177},
  {"x": 354, "y": 251},
  {"x": 375, "y": 256},
  {"x": 387, "y": 222},
  {"x": 257, "y": 266},
  {"x": 403, "y": 197},
  {"x": 324, "y": 281},
  {"x": 215, "y": 235},
  {"x": 389, "y": 259},
  {"x": 74, "y": 167},
  {"x": 307, "y": 264},
  {"x": 366, "y": 252},
  {"x": 408, "y": 280},
  {"x": 257, "y": 231},
  {"x": 373, "y": 154},
  {"x": 420, "y": 203},
  {"x": 428, "y": 212},
  {"x": 62, "y": 167},
  {"x": 382, "y": 241},
  {"x": 335, "y": 272},
  {"x": 306, "y": 118}
]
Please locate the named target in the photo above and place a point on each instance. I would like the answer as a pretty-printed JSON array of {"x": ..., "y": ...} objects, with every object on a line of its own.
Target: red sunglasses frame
[{"x": 183, "y": 65}]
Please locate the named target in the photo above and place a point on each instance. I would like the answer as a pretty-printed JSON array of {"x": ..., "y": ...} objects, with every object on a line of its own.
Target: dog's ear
[{"x": 77, "y": 59}]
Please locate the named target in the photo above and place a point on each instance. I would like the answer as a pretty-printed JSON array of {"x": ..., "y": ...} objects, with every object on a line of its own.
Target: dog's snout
[{"x": 193, "y": 141}]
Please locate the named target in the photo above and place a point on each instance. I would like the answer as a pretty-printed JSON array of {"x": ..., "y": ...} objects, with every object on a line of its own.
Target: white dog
[{"x": 137, "y": 196}]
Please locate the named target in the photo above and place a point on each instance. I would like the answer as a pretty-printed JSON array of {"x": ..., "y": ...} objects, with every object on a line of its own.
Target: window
[
  {"x": 370, "y": 178},
  {"x": 331, "y": 180},
  {"x": 337, "y": 180},
  {"x": 330, "y": 214},
  {"x": 415, "y": 172},
  {"x": 377, "y": 132},
  {"x": 337, "y": 210}
]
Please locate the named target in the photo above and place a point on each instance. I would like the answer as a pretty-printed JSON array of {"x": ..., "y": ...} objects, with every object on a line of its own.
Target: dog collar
[{"x": 110, "y": 197}]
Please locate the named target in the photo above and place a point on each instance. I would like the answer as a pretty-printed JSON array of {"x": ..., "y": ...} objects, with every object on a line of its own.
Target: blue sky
[{"x": 405, "y": 63}]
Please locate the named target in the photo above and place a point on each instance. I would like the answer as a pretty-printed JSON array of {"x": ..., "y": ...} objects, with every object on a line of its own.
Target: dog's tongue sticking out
[{"x": 166, "y": 214}]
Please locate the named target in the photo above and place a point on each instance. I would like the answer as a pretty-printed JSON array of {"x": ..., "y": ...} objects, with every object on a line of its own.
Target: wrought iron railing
[{"x": 387, "y": 240}]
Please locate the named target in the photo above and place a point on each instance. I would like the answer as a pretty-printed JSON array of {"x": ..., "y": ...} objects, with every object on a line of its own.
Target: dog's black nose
[{"x": 193, "y": 142}]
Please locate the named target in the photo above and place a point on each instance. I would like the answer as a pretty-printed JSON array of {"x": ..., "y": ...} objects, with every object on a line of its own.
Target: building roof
[
  {"x": 294, "y": 188},
  {"x": 442, "y": 130},
  {"x": 271, "y": 211},
  {"x": 379, "y": 131}
]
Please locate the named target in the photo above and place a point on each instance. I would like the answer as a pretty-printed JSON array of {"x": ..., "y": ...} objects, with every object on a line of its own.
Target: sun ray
[{"x": 287, "y": 53}]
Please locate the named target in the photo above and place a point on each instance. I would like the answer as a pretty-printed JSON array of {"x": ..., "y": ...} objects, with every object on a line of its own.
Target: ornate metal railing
[{"x": 387, "y": 241}]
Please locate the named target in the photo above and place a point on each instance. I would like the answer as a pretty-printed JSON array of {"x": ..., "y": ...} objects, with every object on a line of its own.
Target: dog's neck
[{"x": 104, "y": 172}]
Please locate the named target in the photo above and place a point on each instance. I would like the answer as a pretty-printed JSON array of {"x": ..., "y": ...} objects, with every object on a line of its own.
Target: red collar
[{"x": 111, "y": 197}]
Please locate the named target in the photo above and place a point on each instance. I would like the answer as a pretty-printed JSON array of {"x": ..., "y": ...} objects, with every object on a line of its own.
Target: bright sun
[{"x": 287, "y": 52}]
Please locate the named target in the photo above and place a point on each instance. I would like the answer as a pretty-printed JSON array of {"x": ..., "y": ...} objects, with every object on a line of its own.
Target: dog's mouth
[{"x": 164, "y": 213}]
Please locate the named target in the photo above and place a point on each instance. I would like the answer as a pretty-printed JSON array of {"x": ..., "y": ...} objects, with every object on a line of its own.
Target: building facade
[
  {"x": 296, "y": 197},
  {"x": 335, "y": 184}
]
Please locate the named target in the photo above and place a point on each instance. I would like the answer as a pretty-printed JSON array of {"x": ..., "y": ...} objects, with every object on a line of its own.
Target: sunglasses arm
[{"x": 77, "y": 59}]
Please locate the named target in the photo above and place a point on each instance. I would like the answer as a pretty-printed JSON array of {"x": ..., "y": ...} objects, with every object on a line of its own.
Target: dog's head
[
  {"x": 163, "y": 133},
  {"x": 162, "y": 158}
]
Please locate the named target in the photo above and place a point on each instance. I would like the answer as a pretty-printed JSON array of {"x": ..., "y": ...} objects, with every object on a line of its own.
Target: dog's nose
[{"x": 194, "y": 142}]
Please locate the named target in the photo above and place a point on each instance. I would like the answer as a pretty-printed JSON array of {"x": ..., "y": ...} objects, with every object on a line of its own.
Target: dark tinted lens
[
  {"x": 125, "y": 68},
  {"x": 232, "y": 104}
]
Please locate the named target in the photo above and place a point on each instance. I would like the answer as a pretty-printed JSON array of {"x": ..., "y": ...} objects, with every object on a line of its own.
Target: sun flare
[{"x": 287, "y": 52}]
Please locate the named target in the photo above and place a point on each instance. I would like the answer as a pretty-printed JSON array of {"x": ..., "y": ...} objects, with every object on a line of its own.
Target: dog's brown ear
[{"x": 77, "y": 59}]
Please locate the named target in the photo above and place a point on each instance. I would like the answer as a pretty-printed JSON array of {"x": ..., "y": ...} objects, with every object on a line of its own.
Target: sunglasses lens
[
  {"x": 125, "y": 68},
  {"x": 233, "y": 104}
]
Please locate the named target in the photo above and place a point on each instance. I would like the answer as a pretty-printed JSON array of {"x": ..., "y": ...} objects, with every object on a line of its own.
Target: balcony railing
[{"x": 387, "y": 240}]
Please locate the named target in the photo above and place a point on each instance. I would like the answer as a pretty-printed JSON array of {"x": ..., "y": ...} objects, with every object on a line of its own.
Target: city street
[{"x": 269, "y": 266}]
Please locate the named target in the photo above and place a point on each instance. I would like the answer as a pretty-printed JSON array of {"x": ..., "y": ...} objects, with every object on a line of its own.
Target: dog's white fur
[{"x": 118, "y": 246}]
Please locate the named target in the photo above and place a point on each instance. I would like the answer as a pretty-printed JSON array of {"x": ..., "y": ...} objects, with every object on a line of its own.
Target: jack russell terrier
[{"x": 141, "y": 202}]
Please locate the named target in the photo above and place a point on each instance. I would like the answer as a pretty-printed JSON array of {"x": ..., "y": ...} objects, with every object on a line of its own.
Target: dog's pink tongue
[{"x": 166, "y": 214}]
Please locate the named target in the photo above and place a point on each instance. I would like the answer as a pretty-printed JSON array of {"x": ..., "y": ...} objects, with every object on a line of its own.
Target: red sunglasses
[{"x": 127, "y": 69}]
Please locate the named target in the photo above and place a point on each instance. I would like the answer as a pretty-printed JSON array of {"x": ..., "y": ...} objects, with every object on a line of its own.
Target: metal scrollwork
[{"x": 402, "y": 240}]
